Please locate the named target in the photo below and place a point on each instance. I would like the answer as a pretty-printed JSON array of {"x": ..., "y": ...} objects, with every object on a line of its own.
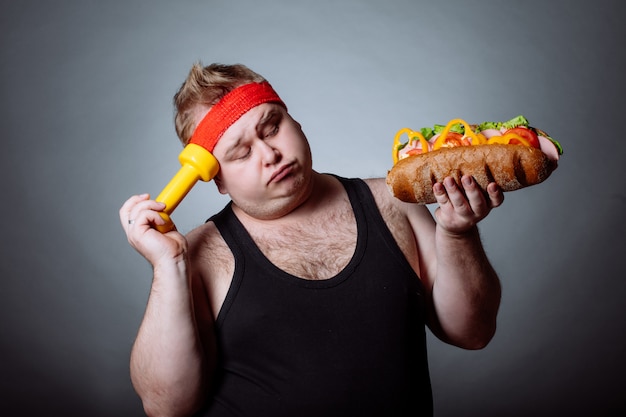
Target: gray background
[{"x": 86, "y": 90}]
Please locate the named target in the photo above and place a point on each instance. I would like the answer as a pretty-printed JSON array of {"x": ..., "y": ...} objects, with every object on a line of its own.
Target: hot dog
[{"x": 512, "y": 154}]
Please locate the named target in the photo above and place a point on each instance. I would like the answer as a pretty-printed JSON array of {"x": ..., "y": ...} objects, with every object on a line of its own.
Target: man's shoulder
[
  {"x": 390, "y": 207},
  {"x": 376, "y": 182},
  {"x": 205, "y": 239},
  {"x": 377, "y": 186},
  {"x": 379, "y": 189},
  {"x": 209, "y": 255}
]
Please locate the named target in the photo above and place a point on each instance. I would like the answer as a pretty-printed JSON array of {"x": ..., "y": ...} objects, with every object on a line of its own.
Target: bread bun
[{"x": 510, "y": 166}]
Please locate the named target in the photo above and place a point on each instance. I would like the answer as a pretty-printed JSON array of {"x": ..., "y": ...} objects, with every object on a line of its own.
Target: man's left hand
[{"x": 462, "y": 206}]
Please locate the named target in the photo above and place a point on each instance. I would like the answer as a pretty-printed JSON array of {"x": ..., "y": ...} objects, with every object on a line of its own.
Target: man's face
[{"x": 265, "y": 162}]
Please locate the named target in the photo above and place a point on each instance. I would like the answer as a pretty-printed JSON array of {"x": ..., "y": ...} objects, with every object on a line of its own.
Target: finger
[
  {"x": 128, "y": 205},
  {"x": 474, "y": 195},
  {"x": 455, "y": 194},
  {"x": 440, "y": 194},
  {"x": 153, "y": 218},
  {"x": 141, "y": 212},
  {"x": 495, "y": 194},
  {"x": 145, "y": 223}
]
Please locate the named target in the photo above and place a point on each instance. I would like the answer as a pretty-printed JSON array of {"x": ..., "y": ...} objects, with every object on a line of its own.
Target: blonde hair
[{"x": 205, "y": 86}]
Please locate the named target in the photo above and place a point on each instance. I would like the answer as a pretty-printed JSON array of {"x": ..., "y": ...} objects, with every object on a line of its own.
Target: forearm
[
  {"x": 167, "y": 361},
  {"x": 466, "y": 291}
]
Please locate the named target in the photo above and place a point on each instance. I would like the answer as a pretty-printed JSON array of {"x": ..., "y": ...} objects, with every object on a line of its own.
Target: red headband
[{"x": 229, "y": 109}]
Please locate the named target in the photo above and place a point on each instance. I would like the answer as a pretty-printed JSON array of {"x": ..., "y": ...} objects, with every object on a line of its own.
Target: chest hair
[{"x": 316, "y": 249}]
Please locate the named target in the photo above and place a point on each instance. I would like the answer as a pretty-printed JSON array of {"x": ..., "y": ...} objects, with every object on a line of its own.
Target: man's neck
[{"x": 322, "y": 194}]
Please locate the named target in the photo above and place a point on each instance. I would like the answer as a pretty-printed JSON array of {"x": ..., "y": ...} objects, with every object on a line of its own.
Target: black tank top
[{"x": 350, "y": 345}]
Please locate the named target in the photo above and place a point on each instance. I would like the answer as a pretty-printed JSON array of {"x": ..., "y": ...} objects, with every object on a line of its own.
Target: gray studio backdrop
[{"x": 86, "y": 121}]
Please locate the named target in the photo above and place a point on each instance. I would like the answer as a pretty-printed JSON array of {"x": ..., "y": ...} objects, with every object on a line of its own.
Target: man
[{"x": 308, "y": 294}]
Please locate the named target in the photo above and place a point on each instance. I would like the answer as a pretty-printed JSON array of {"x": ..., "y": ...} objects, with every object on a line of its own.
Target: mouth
[{"x": 280, "y": 173}]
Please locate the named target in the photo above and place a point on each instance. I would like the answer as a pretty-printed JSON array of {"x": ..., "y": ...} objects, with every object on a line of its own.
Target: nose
[{"x": 269, "y": 154}]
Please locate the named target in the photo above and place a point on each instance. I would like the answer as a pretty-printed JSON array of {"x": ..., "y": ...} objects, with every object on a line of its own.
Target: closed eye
[
  {"x": 269, "y": 124},
  {"x": 272, "y": 131},
  {"x": 243, "y": 153}
]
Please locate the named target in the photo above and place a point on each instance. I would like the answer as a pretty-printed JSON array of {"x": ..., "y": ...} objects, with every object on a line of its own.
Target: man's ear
[{"x": 220, "y": 185}]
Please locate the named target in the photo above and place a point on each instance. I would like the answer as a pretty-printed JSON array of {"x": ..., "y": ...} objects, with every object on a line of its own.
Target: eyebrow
[{"x": 267, "y": 116}]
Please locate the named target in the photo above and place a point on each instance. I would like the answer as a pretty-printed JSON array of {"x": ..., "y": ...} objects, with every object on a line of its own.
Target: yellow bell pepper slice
[
  {"x": 506, "y": 139},
  {"x": 398, "y": 145},
  {"x": 476, "y": 140}
]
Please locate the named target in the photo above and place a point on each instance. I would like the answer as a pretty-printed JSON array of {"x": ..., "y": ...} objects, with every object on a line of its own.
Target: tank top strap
[
  {"x": 229, "y": 227},
  {"x": 365, "y": 207}
]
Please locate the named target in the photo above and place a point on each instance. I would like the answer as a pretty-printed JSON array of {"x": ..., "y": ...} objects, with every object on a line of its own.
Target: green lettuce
[
  {"x": 515, "y": 122},
  {"x": 427, "y": 132},
  {"x": 488, "y": 125},
  {"x": 456, "y": 128}
]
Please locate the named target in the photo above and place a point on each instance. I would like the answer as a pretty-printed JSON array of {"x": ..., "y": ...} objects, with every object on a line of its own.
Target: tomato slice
[
  {"x": 453, "y": 139},
  {"x": 415, "y": 151},
  {"x": 527, "y": 134}
]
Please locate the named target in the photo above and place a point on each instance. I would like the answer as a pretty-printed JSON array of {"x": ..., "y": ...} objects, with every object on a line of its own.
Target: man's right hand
[{"x": 139, "y": 216}]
